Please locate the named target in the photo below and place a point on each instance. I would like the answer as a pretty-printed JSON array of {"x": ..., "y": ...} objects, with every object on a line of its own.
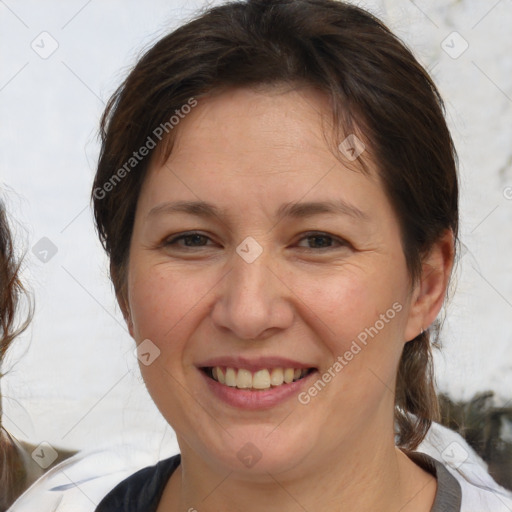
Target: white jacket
[
  {"x": 79, "y": 483},
  {"x": 480, "y": 493}
]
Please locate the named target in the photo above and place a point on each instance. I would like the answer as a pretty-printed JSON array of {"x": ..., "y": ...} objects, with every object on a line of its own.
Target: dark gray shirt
[{"x": 449, "y": 493}]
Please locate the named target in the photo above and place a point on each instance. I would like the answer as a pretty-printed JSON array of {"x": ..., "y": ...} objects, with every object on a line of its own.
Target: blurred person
[{"x": 17, "y": 469}]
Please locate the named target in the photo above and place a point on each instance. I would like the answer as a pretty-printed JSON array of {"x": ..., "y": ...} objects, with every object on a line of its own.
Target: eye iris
[
  {"x": 194, "y": 238},
  {"x": 320, "y": 240}
]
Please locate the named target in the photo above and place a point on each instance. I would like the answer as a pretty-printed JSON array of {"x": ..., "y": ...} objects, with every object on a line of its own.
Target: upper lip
[{"x": 253, "y": 364}]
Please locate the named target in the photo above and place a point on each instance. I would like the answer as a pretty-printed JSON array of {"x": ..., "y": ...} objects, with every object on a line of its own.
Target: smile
[{"x": 259, "y": 380}]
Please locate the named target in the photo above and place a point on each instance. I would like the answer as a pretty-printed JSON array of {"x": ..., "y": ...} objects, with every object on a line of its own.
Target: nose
[{"x": 253, "y": 301}]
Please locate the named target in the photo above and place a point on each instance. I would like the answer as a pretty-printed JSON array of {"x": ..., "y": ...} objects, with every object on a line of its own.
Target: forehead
[
  {"x": 259, "y": 144},
  {"x": 244, "y": 121},
  {"x": 284, "y": 120}
]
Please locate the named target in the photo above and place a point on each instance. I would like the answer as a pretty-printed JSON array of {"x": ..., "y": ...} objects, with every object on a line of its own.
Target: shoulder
[
  {"x": 480, "y": 493},
  {"x": 82, "y": 481}
]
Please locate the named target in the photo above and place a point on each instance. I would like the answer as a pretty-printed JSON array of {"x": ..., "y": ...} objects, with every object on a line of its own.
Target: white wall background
[{"x": 72, "y": 378}]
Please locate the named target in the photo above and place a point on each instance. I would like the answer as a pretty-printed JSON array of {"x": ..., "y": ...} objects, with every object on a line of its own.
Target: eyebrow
[
  {"x": 295, "y": 210},
  {"x": 307, "y": 209}
]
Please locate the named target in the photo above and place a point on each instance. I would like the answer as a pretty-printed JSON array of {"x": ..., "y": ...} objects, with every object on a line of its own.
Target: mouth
[{"x": 260, "y": 380}]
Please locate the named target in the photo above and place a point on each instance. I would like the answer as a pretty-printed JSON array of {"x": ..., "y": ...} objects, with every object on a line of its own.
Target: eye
[
  {"x": 312, "y": 241},
  {"x": 318, "y": 240},
  {"x": 192, "y": 239}
]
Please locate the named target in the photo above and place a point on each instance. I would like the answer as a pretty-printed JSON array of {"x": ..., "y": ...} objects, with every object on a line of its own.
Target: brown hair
[
  {"x": 373, "y": 83},
  {"x": 11, "y": 288},
  {"x": 13, "y": 476}
]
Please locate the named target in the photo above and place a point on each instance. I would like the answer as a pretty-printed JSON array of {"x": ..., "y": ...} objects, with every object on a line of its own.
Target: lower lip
[{"x": 256, "y": 400}]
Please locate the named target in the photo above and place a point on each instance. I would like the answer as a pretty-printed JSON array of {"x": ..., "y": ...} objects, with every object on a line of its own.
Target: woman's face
[{"x": 255, "y": 250}]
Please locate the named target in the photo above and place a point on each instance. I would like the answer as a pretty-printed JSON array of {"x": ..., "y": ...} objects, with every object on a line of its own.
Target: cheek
[
  {"x": 160, "y": 300},
  {"x": 168, "y": 304},
  {"x": 164, "y": 303},
  {"x": 350, "y": 300},
  {"x": 360, "y": 317}
]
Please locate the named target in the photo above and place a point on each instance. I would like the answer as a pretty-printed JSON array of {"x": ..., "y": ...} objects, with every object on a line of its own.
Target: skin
[{"x": 247, "y": 152}]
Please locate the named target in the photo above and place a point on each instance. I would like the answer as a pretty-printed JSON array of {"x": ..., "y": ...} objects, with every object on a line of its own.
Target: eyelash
[{"x": 314, "y": 234}]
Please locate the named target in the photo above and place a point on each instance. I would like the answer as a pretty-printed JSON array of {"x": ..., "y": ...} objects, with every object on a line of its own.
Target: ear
[{"x": 429, "y": 292}]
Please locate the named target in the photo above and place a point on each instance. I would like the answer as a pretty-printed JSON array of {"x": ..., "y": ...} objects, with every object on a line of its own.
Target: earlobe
[{"x": 430, "y": 292}]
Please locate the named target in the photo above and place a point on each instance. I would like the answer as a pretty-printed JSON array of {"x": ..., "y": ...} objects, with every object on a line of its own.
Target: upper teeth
[{"x": 262, "y": 379}]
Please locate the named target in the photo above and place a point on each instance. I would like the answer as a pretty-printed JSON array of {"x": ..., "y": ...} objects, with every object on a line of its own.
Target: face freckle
[{"x": 250, "y": 178}]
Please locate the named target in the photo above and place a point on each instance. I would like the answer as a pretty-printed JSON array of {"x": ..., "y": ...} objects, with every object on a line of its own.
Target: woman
[
  {"x": 281, "y": 257},
  {"x": 277, "y": 194}
]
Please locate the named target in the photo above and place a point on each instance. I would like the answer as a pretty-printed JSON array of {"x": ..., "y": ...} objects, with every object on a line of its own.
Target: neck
[{"x": 376, "y": 476}]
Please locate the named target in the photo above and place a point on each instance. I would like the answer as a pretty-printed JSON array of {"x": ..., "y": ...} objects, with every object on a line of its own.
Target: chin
[{"x": 254, "y": 452}]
